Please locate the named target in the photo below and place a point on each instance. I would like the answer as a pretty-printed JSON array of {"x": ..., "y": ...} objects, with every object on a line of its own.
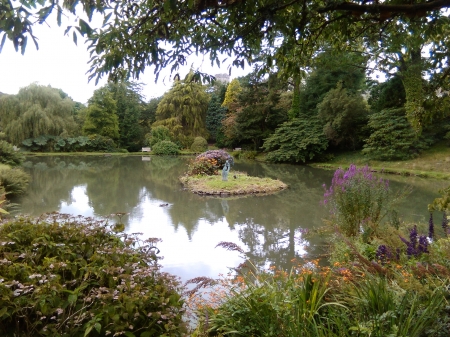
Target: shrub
[
  {"x": 357, "y": 200},
  {"x": 209, "y": 162},
  {"x": 199, "y": 145},
  {"x": 165, "y": 147},
  {"x": 299, "y": 140},
  {"x": 8, "y": 155},
  {"x": 392, "y": 136},
  {"x": 15, "y": 180},
  {"x": 158, "y": 134},
  {"x": 66, "y": 276}
]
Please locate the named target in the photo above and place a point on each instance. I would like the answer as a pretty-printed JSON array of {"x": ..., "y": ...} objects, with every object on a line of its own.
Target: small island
[{"x": 203, "y": 177}]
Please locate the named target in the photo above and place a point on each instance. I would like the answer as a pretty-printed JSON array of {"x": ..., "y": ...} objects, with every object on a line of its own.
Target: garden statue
[{"x": 225, "y": 170}]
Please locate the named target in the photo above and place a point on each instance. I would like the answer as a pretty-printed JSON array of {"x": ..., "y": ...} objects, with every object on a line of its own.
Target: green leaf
[
  {"x": 23, "y": 45},
  {"x": 58, "y": 17},
  {"x": 88, "y": 330},
  {"x": 85, "y": 28},
  {"x": 67, "y": 30},
  {"x": 146, "y": 334},
  {"x": 72, "y": 298},
  {"x": 5, "y": 309},
  {"x": 98, "y": 327},
  {"x": 105, "y": 20},
  {"x": 3, "y": 42},
  {"x": 130, "y": 334}
]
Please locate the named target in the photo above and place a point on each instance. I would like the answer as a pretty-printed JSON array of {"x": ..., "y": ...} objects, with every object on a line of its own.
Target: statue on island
[{"x": 225, "y": 170}]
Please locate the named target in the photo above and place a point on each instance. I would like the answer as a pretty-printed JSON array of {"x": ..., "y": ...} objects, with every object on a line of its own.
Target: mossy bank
[{"x": 238, "y": 184}]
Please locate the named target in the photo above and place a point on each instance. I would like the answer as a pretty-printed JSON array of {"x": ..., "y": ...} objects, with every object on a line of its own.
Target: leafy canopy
[{"x": 162, "y": 33}]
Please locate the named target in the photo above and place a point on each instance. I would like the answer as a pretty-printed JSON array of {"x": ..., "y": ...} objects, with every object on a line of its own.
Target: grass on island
[
  {"x": 432, "y": 163},
  {"x": 238, "y": 183}
]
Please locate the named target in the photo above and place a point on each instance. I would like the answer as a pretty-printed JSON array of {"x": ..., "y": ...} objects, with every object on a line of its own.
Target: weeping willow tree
[
  {"x": 183, "y": 111},
  {"x": 36, "y": 111}
]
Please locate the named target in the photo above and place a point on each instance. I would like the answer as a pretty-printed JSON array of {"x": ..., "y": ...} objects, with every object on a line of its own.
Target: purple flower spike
[{"x": 431, "y": 227}]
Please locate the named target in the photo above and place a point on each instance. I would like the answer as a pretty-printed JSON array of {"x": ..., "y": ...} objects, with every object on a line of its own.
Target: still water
[{"x": 270, "y": 228}]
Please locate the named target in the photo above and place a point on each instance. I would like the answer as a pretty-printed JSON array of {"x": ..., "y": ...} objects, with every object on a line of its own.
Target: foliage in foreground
[
  {"x": 341, "y": 300},
  {"x": 8, "y": 155},
  {"x": 63, "y": 276},
  {"x": 14, "y": 180}
]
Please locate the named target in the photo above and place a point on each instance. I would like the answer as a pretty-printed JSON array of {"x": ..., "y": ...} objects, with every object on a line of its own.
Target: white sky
[{"x": 62, "y": 64}]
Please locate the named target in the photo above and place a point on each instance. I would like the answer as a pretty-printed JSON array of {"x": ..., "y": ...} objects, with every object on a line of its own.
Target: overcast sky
[{"x": 62, "y": 64}]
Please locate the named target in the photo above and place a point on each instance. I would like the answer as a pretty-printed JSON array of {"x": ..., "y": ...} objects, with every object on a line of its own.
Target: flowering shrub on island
[
  {"x": 357, "y": 199},
  {"x": 209, "y": 162}
]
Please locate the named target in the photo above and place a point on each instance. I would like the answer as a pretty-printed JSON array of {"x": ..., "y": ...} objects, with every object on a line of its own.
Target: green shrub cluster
[
  {"x": 199, "y": 145},
  {"x": 392, "y": 136},
  {"x": 92, "y": 143},
  {"x": 65, "y": 276},
  {"x": 299, "y": 140},
  {"x": 158, "y": 133},
  {"x": 14, "y": 181},
  {"x": 165, "y": 147},
  {"x": 8, "y": 155}
]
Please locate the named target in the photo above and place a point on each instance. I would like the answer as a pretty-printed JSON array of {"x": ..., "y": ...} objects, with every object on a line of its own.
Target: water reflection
[{"x": 270, "y": 228}]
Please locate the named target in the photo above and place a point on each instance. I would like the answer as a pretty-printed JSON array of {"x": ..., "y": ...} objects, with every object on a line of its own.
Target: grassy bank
[
  {"x": 434, "y": 163},
  {"x": 238, "y": 184}
]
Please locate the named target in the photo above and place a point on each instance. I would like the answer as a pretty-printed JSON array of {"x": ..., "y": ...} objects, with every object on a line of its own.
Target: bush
[
  {"x": 209, "y": 162},
  {"x": 299, "y": 140},
  {"x": 357, "y": 200},
  {"x": 199, "y": 145},
  {"x": 158, "y": 134},
  {"x": 66, "y": 276},
  {"x": 14, "y": 181},
  {"x": 392, "y": 137},
  {"x": 165, "y": 147},
  {"x": 8, "y": 155}
]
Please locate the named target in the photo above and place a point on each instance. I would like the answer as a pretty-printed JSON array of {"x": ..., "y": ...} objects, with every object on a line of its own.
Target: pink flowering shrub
[
  {"x": 209, "y": 162},
  {"x": 73, "y": 276},
  {"x": 357, "y": 199}
]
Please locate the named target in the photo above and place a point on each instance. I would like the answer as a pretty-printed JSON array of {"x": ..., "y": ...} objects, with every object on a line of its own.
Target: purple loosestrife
[
  {"x": 445, "y": 223},
  {"x": 431, "y": 227},
  {"x": 356, "y": 199}
]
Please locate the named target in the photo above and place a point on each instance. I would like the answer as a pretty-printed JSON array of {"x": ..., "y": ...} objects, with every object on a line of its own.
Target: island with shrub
[{"x": 203, "y": 177}]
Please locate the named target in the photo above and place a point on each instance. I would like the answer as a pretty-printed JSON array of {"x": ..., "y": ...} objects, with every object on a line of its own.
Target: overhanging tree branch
[{"x": 417, "y": 10}]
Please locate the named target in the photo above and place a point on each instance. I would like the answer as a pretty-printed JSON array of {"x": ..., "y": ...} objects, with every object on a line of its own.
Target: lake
[{"x": 270, "y": 228}]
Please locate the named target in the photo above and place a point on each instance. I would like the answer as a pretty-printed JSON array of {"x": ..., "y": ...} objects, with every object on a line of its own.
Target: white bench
[
  {"x": 238, "y": 149},
  {"x": 146, "y": 149}
]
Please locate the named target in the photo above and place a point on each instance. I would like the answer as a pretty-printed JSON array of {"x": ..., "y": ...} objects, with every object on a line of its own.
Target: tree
[
  {"x": 298, "y": 140},
  {"x": 215, "y": 115},
  {"x": 183, "y": 110},
  {"x": 392, "y": 137},
  {"x": 285, "y": 34},
  {"x": 101, "y": 118},
  {"x": 329, "y": 68},
  {"x": 129, "y": 106},
  {"x": 36, "y": 111},
  {"x": 345, "y": 116},
  {"x": 259, "y": 113}
]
